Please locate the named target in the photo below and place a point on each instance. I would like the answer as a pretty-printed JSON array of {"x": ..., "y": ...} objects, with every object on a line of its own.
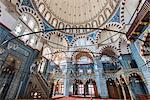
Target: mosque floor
[{"x": 78, "y": 98}]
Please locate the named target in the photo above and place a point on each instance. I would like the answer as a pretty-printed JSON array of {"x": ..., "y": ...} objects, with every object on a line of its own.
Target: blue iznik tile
[
  {"x": 70, "y": 38},
  {"x": 27, "y": 3},
  {"x": 116, "y": 17},
  {"x": 93, "y": 35},
  {"x": 47, "y": 27}
]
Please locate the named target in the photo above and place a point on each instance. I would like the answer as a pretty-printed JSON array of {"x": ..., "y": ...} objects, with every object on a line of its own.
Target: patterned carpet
[{"x": 77, "y": 98}]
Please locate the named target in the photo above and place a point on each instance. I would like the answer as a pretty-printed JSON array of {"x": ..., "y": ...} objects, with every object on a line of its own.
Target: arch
[
  {"x": 109, "y": 51},
  {"x": 81, "y": 30},
  {"x": 68, "y": 26},
  {"x": 88, "y": 25},
  {"x": 107, "y": 12},
  {"x": 78, "y": 87},
  {"x": 54, "y": 22},
  {"x": 122, "y": 9},
  {"x": 61, "y": 25},
  {"x": 57, "y": 40},
  {"x": 101, "y": 19},
  {"x": 83, "y": 37},
  {"x": 136, "y": 81},
  {"x": 74, "y": 30},
  {"x": 84, "y": 51},
  {"x": 83, "y": 54},
  {"x": 33, "y": 25},
  {"x": 91, "y": 88},
  {"x": 58, "y": 87},
  {"x": 94, "y": 24},
  {"x": 47, "y": 16},
  {"x": 123, "y": 46},
  {"x": 41, "y": 8},
  {"x": 59, "y": 57},
  {"x": 112, "y": 89},
  {"x": 109, "y": 37},
  {"x": 21, "y": 10}
]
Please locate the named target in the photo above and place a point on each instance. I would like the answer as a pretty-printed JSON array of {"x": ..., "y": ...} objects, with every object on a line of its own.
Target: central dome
[{"x": 76, "y": 11}]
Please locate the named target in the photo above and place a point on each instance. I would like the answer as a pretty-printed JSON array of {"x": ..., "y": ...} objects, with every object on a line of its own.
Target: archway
[
  {"x": 87, "y": 90},
  {"x": 137, "y": 85},
  {"x": 27, "y": 25},
  {"x": 109, "y": 59},
  {"x": 91, "y": 88},
  {"x": 59, "y": 87},
  {"x": 112, "y": 89},
  {"x": 78, "y": 87}
]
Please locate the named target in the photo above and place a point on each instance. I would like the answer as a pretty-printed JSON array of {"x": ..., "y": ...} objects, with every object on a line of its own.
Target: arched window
[
  {"x": 101, "y": 19},
  {"x": 48, "y": 16},
  {"x": 105, "y": 58},
  {"x": 136, "y": 81},
  {"x": 25, "y": 38},
  {"x": 84, "y": 63},
  {"x": 81, "y": 30},
  {"x": 94, "y": 24},
  {"x": 18, "y": 29},
  {"x": 112, "y": 89},
  {"x": 41, "y": 8},
  {"x": 81, "y": 89},
  {"x": 61, "y": 25},
  {"x": 54, "y": 22},
  {"x": 27, "y": 24},
  {"x": 84, "y": 60},
  {"x": 88, "y": 26}
]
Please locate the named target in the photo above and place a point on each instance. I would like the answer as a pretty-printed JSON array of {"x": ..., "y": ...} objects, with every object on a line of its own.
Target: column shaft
[
  {"x": 141, "y": 64},
  {"x": 66, "y": 86},
  {"x": 100, "y": 80}
]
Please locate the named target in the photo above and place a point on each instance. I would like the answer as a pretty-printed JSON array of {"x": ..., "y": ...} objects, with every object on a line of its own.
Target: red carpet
[{"x": 77, "y": 98}]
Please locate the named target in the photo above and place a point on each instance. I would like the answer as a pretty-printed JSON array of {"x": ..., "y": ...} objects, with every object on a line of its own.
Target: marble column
[
  {"x": 100, "y": 80},
  {"x": 66, "y": 85},
  {"x": 67, "y": 77}
]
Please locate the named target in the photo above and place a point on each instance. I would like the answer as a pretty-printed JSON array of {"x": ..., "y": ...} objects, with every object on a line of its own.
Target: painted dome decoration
[{"x": 77, "y": 13}]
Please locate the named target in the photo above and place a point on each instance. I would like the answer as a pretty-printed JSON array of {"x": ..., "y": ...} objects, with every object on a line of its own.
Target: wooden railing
[
  {"x": 43, "y": 83},
  {"x": 144, "y": 10}
]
